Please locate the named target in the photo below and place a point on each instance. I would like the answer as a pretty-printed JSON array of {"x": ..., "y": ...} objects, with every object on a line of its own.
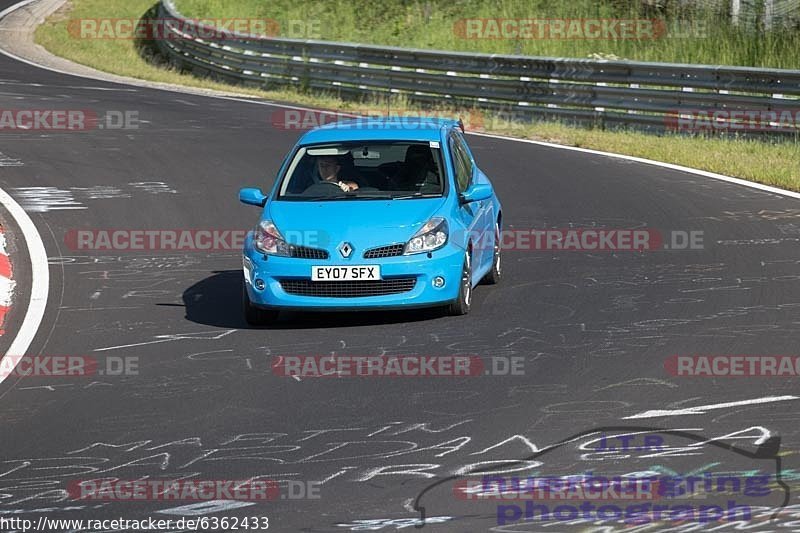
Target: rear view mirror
[
  {"x": 252, "y": 196},
  {"x": 365, "y": 153},
  {"x": 477, "y": 193}
]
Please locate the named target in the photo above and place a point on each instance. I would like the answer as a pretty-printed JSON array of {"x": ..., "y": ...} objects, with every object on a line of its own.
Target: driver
[{"x": 329, "y": 168}]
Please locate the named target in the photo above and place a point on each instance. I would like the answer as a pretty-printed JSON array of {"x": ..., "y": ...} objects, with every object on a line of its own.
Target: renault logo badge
[{"x": 346, "y": 249}]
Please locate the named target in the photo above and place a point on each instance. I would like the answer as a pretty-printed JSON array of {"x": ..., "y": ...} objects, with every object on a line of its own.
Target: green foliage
[{"x": 694, "y": 34}]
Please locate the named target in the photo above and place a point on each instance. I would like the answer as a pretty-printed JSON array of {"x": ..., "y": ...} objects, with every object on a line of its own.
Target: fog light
[
  {"x": 260, "y": 284},
  {"x": 438, "y": 282}
]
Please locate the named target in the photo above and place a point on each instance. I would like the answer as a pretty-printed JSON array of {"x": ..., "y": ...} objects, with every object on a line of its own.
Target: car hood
[{"x": 362, "y": 223}]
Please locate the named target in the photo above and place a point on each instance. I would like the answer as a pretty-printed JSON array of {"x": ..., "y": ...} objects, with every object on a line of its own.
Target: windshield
[{"x": 364, "y": 171}]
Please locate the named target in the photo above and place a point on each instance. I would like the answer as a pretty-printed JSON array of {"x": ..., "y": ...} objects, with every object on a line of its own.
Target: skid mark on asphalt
[
  {"x": 120, "y": 325},
  {"x": 702, "y": 409},
  {"x": 153, "y": 187},
  {"x": 44, "y": 199},
  {"x": 759, "y": 215},
  {"x": 638, "y": 382},
  {"x": 172, "y": 337},
  {"x": 126, "y": 261},
  {"x": 8, "y": 161},
  {"x": 100, "y": 192},
  {"x": 760, "y": 242}
]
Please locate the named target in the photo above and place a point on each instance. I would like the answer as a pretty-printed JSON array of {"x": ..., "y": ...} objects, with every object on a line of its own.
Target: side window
[
  {"x": 465, "y": 152},
  {"x": 462, "y": 163}
]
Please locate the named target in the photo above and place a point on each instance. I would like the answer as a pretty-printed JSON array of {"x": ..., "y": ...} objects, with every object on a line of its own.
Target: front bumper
[{"x": 446, "y": 262}]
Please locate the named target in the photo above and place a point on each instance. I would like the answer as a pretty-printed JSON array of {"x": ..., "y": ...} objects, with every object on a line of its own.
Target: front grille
[
  {"x": 304, "y": 252},
  {"x": 347, "y": 289},
  {"x": 392, "y": 250}
]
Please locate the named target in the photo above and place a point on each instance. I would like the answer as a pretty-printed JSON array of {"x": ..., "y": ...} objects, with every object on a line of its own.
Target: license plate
[{"x": 346, "y": 273}]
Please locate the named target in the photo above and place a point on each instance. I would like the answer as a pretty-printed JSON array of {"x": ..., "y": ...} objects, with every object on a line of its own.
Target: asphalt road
[{"x": 594, "y": 329}]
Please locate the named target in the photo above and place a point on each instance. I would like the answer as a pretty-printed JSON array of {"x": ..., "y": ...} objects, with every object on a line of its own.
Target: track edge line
[{"x": 671, "y": 166}]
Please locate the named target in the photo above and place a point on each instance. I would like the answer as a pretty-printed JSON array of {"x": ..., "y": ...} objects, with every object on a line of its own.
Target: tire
[
  {"x": 462, "y": 304},
  {"x": 255, "y": 316},
  {"x": 494, "y": 275}
]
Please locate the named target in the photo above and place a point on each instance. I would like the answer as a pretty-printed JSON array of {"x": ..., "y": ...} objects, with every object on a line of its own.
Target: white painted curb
[
  {"x": 40, "y": 280},
  {"x": 6, "y": 281}
]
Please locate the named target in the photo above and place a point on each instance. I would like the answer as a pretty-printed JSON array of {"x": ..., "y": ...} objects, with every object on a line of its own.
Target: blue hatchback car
[{"x": 373, "y": 214}]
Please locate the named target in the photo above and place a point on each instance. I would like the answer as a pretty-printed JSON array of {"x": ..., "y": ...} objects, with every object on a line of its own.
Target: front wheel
[
  {"x": 255, "y": 316},
  {"x": 462, "y": 304}
]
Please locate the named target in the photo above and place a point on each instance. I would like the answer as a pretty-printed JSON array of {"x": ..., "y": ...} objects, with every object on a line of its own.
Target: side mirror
[
  {"x": 252, "y": 196},
  {"x": 476, "y": 193}
]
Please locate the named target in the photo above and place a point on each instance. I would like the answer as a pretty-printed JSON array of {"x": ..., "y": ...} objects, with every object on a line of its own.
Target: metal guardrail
[{"x": 651, "y": 96}]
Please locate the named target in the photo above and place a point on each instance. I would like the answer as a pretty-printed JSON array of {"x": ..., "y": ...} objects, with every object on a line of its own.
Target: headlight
[
  {"x": 268, "y": 240},
  {"x": 432, "y": 236}
]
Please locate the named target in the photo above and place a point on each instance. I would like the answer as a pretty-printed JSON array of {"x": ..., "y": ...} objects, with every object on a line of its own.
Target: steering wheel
[{"x": 323, "y": 187}]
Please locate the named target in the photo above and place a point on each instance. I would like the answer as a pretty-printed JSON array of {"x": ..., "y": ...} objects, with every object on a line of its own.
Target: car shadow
[{"x": 216, "y": 301}]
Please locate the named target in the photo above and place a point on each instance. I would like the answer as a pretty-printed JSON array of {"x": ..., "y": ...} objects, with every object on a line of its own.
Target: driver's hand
[{"x": 348, "y": 186}]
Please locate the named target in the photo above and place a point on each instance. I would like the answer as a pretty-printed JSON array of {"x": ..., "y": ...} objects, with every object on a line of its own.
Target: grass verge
[
  {"x": 772, "y": 163},
  {"x": 682, "y": 32}
]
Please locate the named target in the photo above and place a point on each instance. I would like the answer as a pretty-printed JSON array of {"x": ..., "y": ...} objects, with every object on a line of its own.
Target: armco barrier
[{"x": 650, "y": 96}]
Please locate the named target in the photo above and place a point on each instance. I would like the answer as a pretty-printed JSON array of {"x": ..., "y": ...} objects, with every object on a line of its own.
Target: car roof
[{"x": 422, "y": 129}]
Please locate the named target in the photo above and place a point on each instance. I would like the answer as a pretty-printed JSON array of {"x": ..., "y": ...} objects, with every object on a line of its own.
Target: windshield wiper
[
  {"x": 392, "y": 197},
  {"x": 417, "y": 195}
]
